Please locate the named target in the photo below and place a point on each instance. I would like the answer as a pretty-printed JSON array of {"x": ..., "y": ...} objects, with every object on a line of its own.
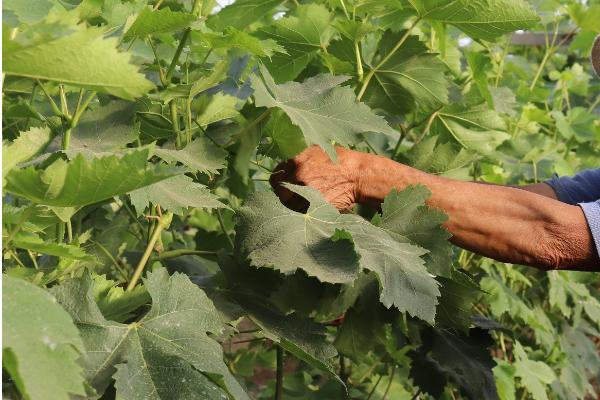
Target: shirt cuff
[
  {"x": 561, "y": 192},
  {"x": 592, "y": 214}
]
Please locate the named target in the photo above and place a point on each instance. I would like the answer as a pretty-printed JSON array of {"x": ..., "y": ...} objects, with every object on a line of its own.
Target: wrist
[{"x": 376, "y": 177}]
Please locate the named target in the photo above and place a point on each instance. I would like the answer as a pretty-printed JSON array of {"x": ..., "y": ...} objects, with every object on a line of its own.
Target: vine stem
[
  {"x": 279, "y": 377},
  {"x": 163, "y": 223},
  {"x": 549, "y": 52},
  {"x": 374, "y": 387},
  {"x": 386, "y": 59},
  {"x": 359, "y": 66},
  {"x": 222, "y": 223},
  {"x": 186, "y": 34},
  {"x": 175, "y": 123},
  {"x": 182, "y": 252},
  {"x": 387, "y": 389},
  {"x": 53, "y": 105}
]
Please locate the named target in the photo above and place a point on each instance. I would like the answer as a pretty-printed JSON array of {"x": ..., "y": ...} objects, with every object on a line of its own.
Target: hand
[{"x": 338, "y": 181}]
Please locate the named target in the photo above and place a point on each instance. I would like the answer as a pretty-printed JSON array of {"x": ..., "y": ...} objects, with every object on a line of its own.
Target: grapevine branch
[{"x": 163, "y": 223}]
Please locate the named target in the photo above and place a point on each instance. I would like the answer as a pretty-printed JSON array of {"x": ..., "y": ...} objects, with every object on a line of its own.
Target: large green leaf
[
  {"x": 40, "y": 343},
  {"x": 411, "y": 78},
  {"x": 169, "y": 347},
  {"x": 81, "y": 182},
  {"x": 82, "y": 58},
  {"x": 26, "y": 146},
  {"x": 287, "y": 139},
  {"x": 459, "y": 294},
  {"x": 241, "y": 13},
  {"x": 275, "y": 236},
  {"x": 103, "y": 130},
  {"x": 431, "y": 156},
  {"x": 301, "y": 35},
  {"x": 321, "y": 241},
  {"x": 462, "y": 359},
  {"x": 323, "y": 111},
  {"x": 407, "y": 219},
  {"x": 475, "y": 128},
  {"x": 302, "y": 337},
  {"x": 201, "y": 155},
  {"x": 175, "y": 194},
  {"x": 151, "y": 21},
  {"x": 482, "y": 19}
]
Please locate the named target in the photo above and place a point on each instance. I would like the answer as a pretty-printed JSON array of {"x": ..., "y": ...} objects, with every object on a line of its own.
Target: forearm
[{"x": 507, "y": 224}]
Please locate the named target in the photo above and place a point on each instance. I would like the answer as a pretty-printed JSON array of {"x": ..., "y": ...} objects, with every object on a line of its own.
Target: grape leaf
[
  {"x": 301, "y": 35},
  {"x": 323, "y": 111},
  {"x": 201, "y": 155},
  {"x": 504, "y": 373},
  {"x": 275, "y": 236},
  {"x": 241, "y": 14},
  {"x": 302, "y": 337},
  {"x": 23, "y": 148},
  {"x": 40, "y": 343},
  {"x": 81, "y": 182},
  {"x": 28, "y": 11},
  {"x": 482, "y": 19},
  {"x": 410, "y": 78},
  {"x": 175, "y": 194},
  {"x": 534, "y": 375},
  {"x": 233, "y": 38},
  {"x": 464, "y": 359},
  {"x": 163, "y": 20},
  {"x": 438, "y": 158},
  {"x": 407, "y": 219},
  {"x": 458, "y": 294},
  {"x": 169, "y": 347},
  {"x": 94, "y": 63},
  {"x": 103, "y": 130},
  {"x": 320, "y": 243},
  {"x": 287, "y": 139},
  {"x": 475, "y": 128},
  {"x": 35, "y": 243},
  {"x": 215, "y": 108}
]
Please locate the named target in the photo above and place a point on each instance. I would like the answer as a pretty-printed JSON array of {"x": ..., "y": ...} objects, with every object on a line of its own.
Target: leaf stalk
[{"x": 163, "y": 223}]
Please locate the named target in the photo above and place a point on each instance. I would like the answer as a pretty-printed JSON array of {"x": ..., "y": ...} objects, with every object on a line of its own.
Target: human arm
[{"x": 504, "y": 223}]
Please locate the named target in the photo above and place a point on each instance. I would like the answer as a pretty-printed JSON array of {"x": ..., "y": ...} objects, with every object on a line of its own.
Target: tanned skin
[{"x": 521, "y": 225}]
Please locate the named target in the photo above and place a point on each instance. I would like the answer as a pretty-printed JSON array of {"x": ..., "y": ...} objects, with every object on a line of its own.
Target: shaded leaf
[
  {"x": 81, "y": 182},
  {"x": 175, "y": 194},
  {"x": 301, "y": 35},
  {"x": 321, "y": 242},
  {"x": 40, "y": 343},
  {"x": 202, "y": 155},
  {"x": 172, "y": 335},
  {"x": 323, "y": 111},
  {"x": 408, "y": 220}
]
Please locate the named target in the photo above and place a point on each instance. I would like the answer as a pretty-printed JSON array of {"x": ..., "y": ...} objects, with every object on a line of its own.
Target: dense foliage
[{"x": 146, "y": 257}]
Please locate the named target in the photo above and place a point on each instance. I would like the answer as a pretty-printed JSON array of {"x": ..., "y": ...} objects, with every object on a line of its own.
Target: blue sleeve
[
  {"x": 592, "y": 214},
  {"x": 582, "y": 188}
]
